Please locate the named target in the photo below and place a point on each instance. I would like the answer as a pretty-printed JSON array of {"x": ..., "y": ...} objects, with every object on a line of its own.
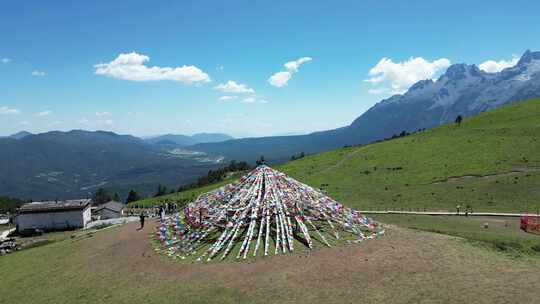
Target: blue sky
[{"x": 181, "y": 57}]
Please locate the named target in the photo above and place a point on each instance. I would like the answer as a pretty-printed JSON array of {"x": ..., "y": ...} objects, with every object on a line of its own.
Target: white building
[
  {"x": 109, "y": 210},
  {"x": 54, "y": 215}
]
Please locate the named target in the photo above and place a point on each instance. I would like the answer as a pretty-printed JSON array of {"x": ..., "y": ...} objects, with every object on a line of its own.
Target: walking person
[
  {"x": 161, "y": 213},
  {"x": 141, "y": 220}
]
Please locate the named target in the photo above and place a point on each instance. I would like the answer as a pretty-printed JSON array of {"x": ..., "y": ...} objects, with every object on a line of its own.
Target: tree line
[
  {"x": 218, "y": 175},
  {"x": 403, "y": 133},
  {"x": 10, "y": 204},
  {"x": 298, "y": 156}
]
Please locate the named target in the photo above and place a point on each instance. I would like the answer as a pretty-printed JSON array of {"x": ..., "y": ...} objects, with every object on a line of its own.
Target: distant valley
[
  {"x": 185, "y": 140},
  {"x": 57, "y": 165}
]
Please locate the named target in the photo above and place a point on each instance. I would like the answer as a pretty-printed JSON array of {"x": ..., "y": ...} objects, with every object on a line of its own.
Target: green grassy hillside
[
  {"x": 490, "y": 162},
  {"x": 498, "y": 143}
]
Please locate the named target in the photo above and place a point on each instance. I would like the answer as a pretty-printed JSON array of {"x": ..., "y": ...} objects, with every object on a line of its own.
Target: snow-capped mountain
[{"x": 462, "y": 90}]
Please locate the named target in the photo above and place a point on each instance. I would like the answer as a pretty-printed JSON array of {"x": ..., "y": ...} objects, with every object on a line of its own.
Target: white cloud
[
  {"x": 280, "y": 79},
  {"x": 397, "y": 77},
  {"x": 227, "y": 98},
  {"x": 293, "y": 66},
  {"x": 103, "y": 114},
  {"x": 6, "y": 60},
  {"x": 44, "y": 113},
  {"x": 250, "y": 99},
  {"x": 492, "y": 66},
  {"x": 7, "y": 111},
  {"x": 254, "y": 99},
  {"x": 96, "y": 123},
  {"x": 24, "y": 123},
  {"x": 232, "y": 87},
  {"x": 37, "y": 73},
  {"x": 130, "y": 66}
]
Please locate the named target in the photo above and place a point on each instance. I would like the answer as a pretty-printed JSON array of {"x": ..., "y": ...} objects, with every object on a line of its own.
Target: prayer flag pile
[{"x": 264, "y": 209}]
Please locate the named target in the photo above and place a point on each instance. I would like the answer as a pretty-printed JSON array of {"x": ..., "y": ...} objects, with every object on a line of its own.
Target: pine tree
[
  {"x": 260, "y": 161},
  {"x": 132, "y": 197},
  {"x": 161, "y": 190},
  {"x": 101, "y": 196}
]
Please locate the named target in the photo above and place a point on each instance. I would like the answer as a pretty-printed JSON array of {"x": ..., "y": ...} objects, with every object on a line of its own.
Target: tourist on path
[
  {"x": 141, "y": 219},
  {"x": 161, "y": 213}
]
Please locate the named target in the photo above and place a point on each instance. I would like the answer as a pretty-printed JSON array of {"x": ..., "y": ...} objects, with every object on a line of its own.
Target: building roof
[
  {"x": 112, "y": 205},
  {"x": 52, "y": 206}
]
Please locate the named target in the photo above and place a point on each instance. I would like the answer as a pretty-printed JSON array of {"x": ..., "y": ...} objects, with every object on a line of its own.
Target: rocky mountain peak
[
  {"x": 420, "y": 85},
  {"x": 462, "y": 70},
  {"x": 527, "y": 57},
  {"x": 21, "y": 134}
]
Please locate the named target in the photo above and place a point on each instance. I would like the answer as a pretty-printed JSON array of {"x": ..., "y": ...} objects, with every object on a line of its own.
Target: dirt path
[
  {"x": 345, "y": 159},
  {"x": 4, "y": 234},
  {"x": 404, "y": 266},
  {"x": 473, "y": 176},
  {"x": 449, "y": 213}
]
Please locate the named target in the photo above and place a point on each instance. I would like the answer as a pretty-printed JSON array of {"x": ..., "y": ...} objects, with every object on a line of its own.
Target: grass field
[
  {"x": 502, "y": 234},
  {"x": 119, "y": 265},
  {"x": 4, "y": 227},
  {"x": 490, "y": 162}
]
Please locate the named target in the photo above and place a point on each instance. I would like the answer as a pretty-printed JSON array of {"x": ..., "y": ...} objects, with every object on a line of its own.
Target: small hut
[
  {"x": 54, "y": 215},
  {"x": 109, "y": 210}
]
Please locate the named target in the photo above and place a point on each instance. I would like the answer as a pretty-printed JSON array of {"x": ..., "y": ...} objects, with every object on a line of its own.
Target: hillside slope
[{"x": 490, "y": 162}]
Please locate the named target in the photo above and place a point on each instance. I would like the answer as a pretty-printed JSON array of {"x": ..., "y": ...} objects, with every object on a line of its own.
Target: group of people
[{"x": 468, "y": 210}]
